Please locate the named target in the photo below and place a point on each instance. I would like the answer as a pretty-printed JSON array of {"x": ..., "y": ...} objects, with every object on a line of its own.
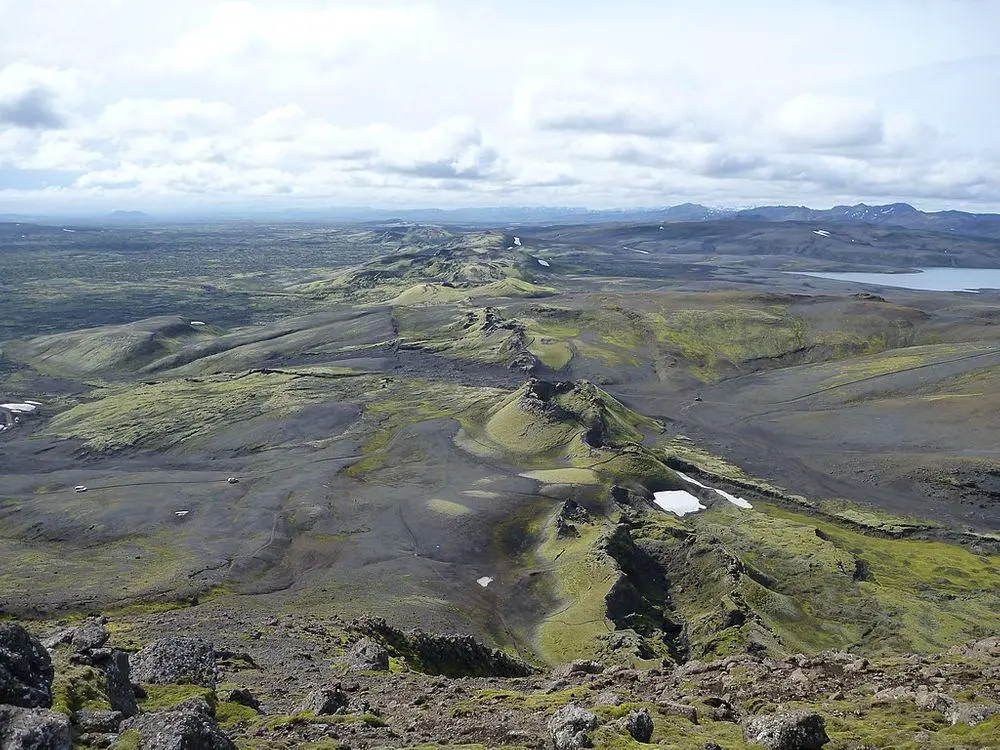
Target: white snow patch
[
  {"x": 678, "y": 502},
  {"x": 661, "y": 228},
  {"x": 33, "y": 403},
  {"x": 197, "y": 323},
  {"x": 737, "y": 501},
  {"x": 19, "y": 408},
  {"x": 181, "y": 513},
  {"x": 821, "y": 232},
  {"x": 71, "y": 231},
  {"x": 484, "y": 581},
  {"x": 543, "y": 262},
  {"x": 644, "y": 252},
  {"x": 517, "y": 242}
]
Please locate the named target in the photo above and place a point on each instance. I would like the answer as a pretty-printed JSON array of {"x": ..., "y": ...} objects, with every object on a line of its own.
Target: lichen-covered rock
[
  {"x": 639, "y": 724},
  {"x": 367, "y": 655},
  {"x": 607, "y": 698},
  {"x": 25, "y": 669},
  {"x": 325, "y": 701},
  {"x": 928, "y": 700},
  {"x": 90, "y": 636},
  {"x": 175, "y": 659},
  {"x": 121, "y": 696},
  {"x": 797, "y": 730},
  {"x": 893, "y": 694},
  {"x": 89, "y": 720},
  {"x": 569, "y": 726},
  {"x": 33, "y": 729},
  {"x": 668, "y": 706},
  {"x": 970, "y": 713},
  {"x": 184, "y": 727}
]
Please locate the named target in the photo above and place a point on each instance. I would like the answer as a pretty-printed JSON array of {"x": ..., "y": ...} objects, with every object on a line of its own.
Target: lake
[{"x": 927, "y": 279}]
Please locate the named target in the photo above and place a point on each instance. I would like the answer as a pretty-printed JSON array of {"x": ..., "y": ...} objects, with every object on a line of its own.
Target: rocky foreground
[{"x": 366, "y": 685}]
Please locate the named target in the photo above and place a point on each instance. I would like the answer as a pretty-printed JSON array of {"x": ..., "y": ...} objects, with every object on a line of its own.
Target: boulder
[
  {"x": 33, "y": 729},
  {"x": 121, "y": 695},
  {"x": 796, "y": 730},
  {"x": 184, "y": 727},
  {"x": 893, "y": 694},
  {"x": 367, "y": 655},
  {"x": 569, "y": 726},
  {"x": 325, "y": 701},
  {"x": 175, "y": 659},
  {"x": 87, "y": 720},
  {"x": 242, "y": 696},
  {"x": 639, "y": 724},
  {"x": 970, "y": 713},
  {"x": 89, "y": 636},
  {"x": 673, "y": 708},
  {"x": 607, "y": 698},
  {"x": 584, "y": 666},
  {"x": 25, "y": 669},
  {"x": 928, "y": 700}
]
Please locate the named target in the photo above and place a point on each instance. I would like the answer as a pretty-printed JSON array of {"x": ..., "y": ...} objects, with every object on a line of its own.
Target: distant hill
[
  {"x": 129, "y": 216},
  {"x": 893, "y": 214},
  {"x": 901, "y": 215}
]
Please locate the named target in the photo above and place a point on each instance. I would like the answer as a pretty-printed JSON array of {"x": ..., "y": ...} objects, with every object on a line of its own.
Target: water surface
[{"x": 927, "y": 279}]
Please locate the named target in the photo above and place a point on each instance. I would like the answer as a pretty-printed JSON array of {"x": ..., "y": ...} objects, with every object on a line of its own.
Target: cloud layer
[{"x": 140, "y": 105}]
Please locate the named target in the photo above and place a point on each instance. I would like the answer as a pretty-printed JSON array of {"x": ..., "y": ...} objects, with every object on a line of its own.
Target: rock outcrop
[
  {"x": 449, "y": 655},
  {"x": 187, "y": 726},
  {"x": 325, "y": 702},
  {"x": 25, "y": 669},
  {"x": 90, "y": 636},
  {"x": 639, "y": 725},
  {"x": 33, "y": 729},
  {"x": 798, "y": 730},
  {"x": 367, "y": 655},
  {"x": 121, "y": 695},
  {"x": 175, "y": 659},
  {"x": 569, "y": 725}
]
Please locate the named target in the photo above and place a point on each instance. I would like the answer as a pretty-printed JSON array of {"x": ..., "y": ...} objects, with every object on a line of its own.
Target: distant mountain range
[
  {"x": 891, "y": 215},
  {"x": 901, "y": 215}
]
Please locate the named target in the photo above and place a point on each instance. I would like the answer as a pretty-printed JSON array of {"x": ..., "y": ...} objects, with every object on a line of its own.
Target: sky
[{"x": 203, "y": 104}]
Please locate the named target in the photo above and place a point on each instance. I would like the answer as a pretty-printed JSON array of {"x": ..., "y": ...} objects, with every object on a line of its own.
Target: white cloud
[
  {"x": 452, "y": 148},
  {"x": 284, "y": 46},
  {"x": 170, "y": 116},
  {"x": 437, "y": 101},
  {"x": 35, "y": 97},
  {"x": 829, "y": 122}
]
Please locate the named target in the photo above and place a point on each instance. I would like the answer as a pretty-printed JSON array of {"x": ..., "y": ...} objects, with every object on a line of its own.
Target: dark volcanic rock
[
  {"x": 569, "y": 726},
  {"x": 325, "y": 701},
  {"x": 244, "y": 697},
  {"x": 33, "y": 729},
  {"x": 89, "y": 636},
  {"x": 121, "y": 696},
  {"x": 89, "y": 720},
  {"x": 366, "y": 654},
  {"x": 639, "y": 724},
  {"x": 798, "y": 730},
  {"x": 25, "y": 669},
  {"x": 175, "y": 659},
  {"x": 185, "y": 727},
  {"x": 449, "y": 655}
]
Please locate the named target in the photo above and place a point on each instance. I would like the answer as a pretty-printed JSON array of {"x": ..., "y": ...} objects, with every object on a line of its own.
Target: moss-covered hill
[
  {"x": 448, "y": 268},
  {"x": 568, "y": 432}
]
